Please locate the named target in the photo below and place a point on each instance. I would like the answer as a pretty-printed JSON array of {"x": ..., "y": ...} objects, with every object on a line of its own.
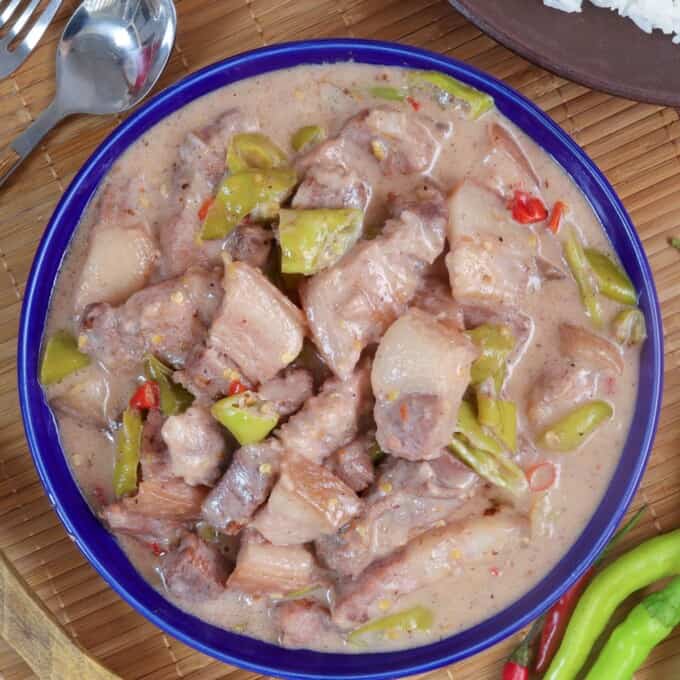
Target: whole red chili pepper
[
  {"x": 527, "y": 209},
  {"x": 146, "y": 396},
  {"x": 518, "y": 664}
]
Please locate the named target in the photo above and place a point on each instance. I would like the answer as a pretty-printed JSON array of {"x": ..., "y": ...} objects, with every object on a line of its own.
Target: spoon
[{"x": 110, "y": 55}]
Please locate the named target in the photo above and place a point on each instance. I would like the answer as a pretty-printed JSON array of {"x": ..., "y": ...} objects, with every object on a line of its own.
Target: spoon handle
[
  {"x": 32, "y": 630},
  {"x": 12, "y": 156}
]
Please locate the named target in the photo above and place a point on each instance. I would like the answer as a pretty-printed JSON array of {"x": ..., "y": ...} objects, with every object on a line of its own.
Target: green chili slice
[
  {"x": 174, "y": 398},
  {"x": 469, "y": 427},
  {"x": 129, "y": 442},
  {"x": 478, "y": 102},
  {"x": 495, "y": 342},
  {"x": 584, "y": 276},
  {"x": 253, "y": 151},
  {"x": 61, "y": 358},
  {"x": 629, "y": 327},
  {"x": 569, "y": 432},
  {"x": 612, "y": 279},
  {"x": 389, "y": 93},
  {"x": 417, "y": 618},
  {"x": 307, "y": 136},
  {"x": 247, "y": 416},
  {"x": 312, "y": 240}
]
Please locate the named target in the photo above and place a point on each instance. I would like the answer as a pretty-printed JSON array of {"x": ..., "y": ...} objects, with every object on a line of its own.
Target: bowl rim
[{"x": 103, "y": 552}]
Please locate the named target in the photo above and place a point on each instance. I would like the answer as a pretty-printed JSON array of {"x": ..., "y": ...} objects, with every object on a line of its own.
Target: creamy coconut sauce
[{"x": 327, "y": 95}]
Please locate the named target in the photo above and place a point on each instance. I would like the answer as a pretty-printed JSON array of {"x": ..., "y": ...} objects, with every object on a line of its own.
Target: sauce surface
[{"x": 280, "y": 103}]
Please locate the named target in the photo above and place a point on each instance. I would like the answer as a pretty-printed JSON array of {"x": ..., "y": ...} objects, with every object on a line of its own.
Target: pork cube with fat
[
  {"x": 427, "y": 559},
  {"x": 166, "y": 320},
  {"x": 330, "y": 419},
  {"x": 308, "y": 501},
  {"x": 196, "y": 447},
  {"x": 288, "y": 391},
  {"x": 163, "y": 533},
  {"x": 420, "y": 372},
  {"x": 353, "y": 463},
  {"x": 406, "y": 499},
  {"x": 121, "y": 251},
  {"x": 304, "y": 623},
  {"x": 194, "y": 570},
  {"x": 263, "y": 569},
  {"x": 244, "y": 487},
  {"x": 352, "y": 303}
]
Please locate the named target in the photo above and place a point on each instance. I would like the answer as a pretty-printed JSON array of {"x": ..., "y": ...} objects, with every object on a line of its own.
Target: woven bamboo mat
[{"x": 637, "y": 145}]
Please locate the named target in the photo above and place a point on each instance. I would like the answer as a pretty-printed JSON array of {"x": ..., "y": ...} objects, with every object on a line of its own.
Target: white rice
[{"x": 647, "y": 14}]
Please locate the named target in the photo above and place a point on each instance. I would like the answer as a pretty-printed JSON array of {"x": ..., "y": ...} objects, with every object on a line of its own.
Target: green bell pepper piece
[
  {"x": 61, "y": 358},
  {"x": 417, "y": 618},
  {"x": 612, "y": 279},
  {"x": 253, "y": 151},
  {"x": 247, "y": 416},
  {"x": 570, "y": 431},
  {"x": 312, "y": 240},
  {"x": 307, "y": 136},
  {"x": 174, "y": 398},
  {"x": 495, "y": 342},
  {"x": 258, "y": 193},
  {"x": 477, "y": 101},
  {"x": 129, "y": 443}
]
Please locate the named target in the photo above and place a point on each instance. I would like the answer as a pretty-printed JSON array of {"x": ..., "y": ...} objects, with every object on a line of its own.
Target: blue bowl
[{"x": 103, "y": 551}]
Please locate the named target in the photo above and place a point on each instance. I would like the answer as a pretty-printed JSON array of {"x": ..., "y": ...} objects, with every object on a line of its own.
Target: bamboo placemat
[{"x": 637, "y": 145}]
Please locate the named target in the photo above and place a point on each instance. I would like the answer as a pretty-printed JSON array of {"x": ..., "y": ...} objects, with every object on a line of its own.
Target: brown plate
[{"x": 596, "y": 47}]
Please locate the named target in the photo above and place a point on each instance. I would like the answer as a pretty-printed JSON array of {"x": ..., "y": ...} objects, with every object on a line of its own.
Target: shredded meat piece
[
  {"x": 420, "y": 372},
  {"x": 194, "y": 570},
  {"x": 244, "y": 486},
  {"x": 352, "y": 303},
  {"x": 406, "y": 499},
  {"x": 196, "y": 447},
  {"x": 330, "y": 419},
  {"x": 122, "y": 251},
  {"x": 308, "y": 501},
  {"x": 288, "y": 391},
  {"x": 166, "y": 320},
  {"x": 432, "y": 556},
  {"x": 353, "y": 464},
  {"x": 274, "y": 570}
]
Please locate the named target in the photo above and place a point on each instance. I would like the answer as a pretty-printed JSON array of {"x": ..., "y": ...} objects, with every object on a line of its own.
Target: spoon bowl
[{"x": 110, "y": 55}]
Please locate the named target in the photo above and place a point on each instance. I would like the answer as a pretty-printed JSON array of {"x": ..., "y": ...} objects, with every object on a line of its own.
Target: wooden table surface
[{"x": 636, "y": 145}]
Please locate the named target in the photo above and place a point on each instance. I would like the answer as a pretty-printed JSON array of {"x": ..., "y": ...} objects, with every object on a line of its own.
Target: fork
[{"x": 13, "y": 55}]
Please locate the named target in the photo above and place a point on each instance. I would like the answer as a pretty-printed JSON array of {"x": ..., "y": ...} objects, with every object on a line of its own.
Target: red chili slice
[
  {"x": 541, "y": 476},
  {"x": 205, "y": 206},
  {"x": 236, "y": 387},
  {"x": 527, "y": 209},
  {"x": 147, "y": 396},
  {"x": 556, "y": 216},
  {"x": 415, "y": 104}
]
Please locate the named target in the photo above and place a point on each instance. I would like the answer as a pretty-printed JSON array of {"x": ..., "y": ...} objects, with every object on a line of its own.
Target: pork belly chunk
[
  {"x": 250, "y": 243},
  {"x": 163, "y": 533},
  {"x": 289, "y": 390},
  {"x": 593, "y": 350},
  {"x": 353, "y": 463},
  {"x": 307, "y": 502},
  {"x": 257, "y": 332},
  {"x": 263, "y": 569},
  {"x": 200, "y": 166},
  {"x": 121, "y": 250},
  {"x": 196, "y": 446},
  {"x": 351, "y": 304},
  {"x": 166, "y": 320},
  {"x": 330, "y": 419},
  {"x": 332, "y": 184},
  {"x": 194, "y": 570},
  {"x": 434, "y": 297},
  {"x": 420, "y": 372},
  {"x": 244, "y": 487},
  {"x": 304, "y": 623},
  {"x": 492, "y": 260},
  {"x": 406, "y": 499},
  {"x": 432, "y": 556}
]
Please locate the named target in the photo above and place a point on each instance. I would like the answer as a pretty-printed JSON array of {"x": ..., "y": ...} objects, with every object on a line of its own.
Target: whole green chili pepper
[
  {"x": 584, "y": 276},
  {"x": 629, "y": 327},
  {"x": 657, "y": 558},
  {"x": 247, "y": 416},
  {"x": 307, "y": 136},
  {"x": 128, "y": 448},
  {"x": 174, "y": 398},
  {"x": 631, "y": 642},
  {"x": 495, "y": 342},
  {"x": 477, "y": 101},
  {"x": 614, "y": 282},
  {"x": 61, "y": 358},
  {"x": 252, "y": 151},
  {"x": 569, "y": 432},
  {"x": 417, "y": 618}
]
